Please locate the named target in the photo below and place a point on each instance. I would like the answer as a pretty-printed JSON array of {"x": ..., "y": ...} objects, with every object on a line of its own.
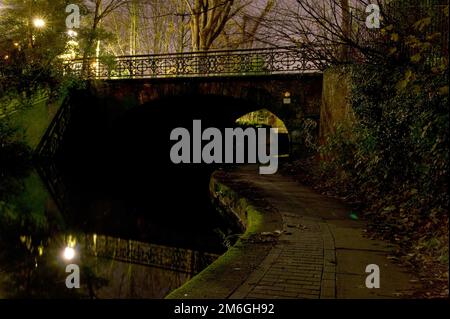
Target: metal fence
[
  {"x": 172, "y": 258},
  {"x": 198, "y": 64}
]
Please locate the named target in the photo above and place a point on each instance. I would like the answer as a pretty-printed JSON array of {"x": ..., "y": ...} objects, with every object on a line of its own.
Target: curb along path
[
  {"x": 305, "y": 246},
  {"x": 320, "y": 253}
]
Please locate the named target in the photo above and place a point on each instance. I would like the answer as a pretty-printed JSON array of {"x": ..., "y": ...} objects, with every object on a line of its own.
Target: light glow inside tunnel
[
  {"x": 266, "y": 118},
  {"x": 263, "y": 117}
]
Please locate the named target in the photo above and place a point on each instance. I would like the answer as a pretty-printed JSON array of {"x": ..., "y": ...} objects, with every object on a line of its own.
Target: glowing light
[
  {"x": 72, "y": 33},
  {"x": 69, "y": 253},
  {"x": 72, "y": 43},
  {"x": 287, "y": 94},
  {"x": 41, "y": 250},
  {"x": 6, "y": 57},
  {"x": 16, "y": 44},
  {"x": 39, "y": 23}
]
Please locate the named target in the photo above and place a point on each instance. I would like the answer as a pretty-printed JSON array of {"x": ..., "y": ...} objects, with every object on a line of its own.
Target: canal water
[
  {"x": 137, "y": 245},
  {"x": 112, "y": 202}
]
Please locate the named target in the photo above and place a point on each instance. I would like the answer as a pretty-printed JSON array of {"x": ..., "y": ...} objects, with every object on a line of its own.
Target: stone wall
[
  {"x": 336, "y": 107},
  {"x": 258, "y": 92}
]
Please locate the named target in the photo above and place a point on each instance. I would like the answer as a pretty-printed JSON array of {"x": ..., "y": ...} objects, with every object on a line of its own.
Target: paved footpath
[{"x": 321, "y": 252}]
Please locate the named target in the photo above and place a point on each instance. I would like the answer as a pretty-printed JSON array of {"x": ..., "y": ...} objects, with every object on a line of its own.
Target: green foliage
[
  {"x": 399, "y": 144},
  {"x": 30, "y": 55},
  {"x": 14, "y": 156},
  {"x": 88, "y": 39},
  {"x": 22, "y": 207},
  {"x": 31, "y": 66},
  {"x": 394, "y": 160},
  {"x": 308, "y": 135},
  {"x": 304, "y": 137},
  {"x": 263, "y": 117}
]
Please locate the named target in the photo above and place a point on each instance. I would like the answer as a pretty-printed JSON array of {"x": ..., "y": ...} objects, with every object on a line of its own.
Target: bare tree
[
  {"x": 346, "y": 27},
  {"x": 100, "y": 9},
  {"x": 252, "y": 21},
  {"x": 149, "y": 27},
  {"x": 208, "y": 19},
  {"x": 164, "y": 26},
  {"x": 331, "y": 30}
]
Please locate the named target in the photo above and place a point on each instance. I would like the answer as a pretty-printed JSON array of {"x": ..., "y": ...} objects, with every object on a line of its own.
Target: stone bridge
[{"x": 219, "y": 86}]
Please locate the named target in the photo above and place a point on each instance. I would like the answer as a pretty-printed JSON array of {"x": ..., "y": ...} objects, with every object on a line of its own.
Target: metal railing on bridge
[
  {"x": 146, "y": 254},
  {"x": 198, "y": 64}
]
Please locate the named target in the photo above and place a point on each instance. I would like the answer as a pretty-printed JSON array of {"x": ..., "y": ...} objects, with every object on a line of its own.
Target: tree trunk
[
  {"x": 345, "y": 30},
  {"x": 208, "y": 20},
  {"x": 91, "y": 38}
]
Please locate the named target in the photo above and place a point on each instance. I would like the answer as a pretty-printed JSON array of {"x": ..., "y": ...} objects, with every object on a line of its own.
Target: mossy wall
[
  {"x": 220, "y": 279},
  {"x": 32, "y": 122},
  {"x": 336, "y": 107}
]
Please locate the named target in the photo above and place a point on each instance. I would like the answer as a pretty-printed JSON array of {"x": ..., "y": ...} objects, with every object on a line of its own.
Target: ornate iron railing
[
  {"x": 199, "y": 64},
  {"x": 51, "y": 141},
  {"x": 131, "y": 251},
  {"x": 45, "y": 154}
]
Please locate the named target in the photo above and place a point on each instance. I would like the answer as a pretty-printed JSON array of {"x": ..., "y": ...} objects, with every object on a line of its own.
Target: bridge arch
[
  {"x": 106, "y": 102},
  {"x": 216, "y": 110},
  {"x": 140, "y": 137},
  {"x": 269, "y": 92},
  {"x": 263, "y": 117}
]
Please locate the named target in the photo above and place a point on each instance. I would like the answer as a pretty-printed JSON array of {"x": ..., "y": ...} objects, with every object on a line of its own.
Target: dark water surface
[
  {"x": 126, "y": 247},
  {"x": 139, "y": 225}
]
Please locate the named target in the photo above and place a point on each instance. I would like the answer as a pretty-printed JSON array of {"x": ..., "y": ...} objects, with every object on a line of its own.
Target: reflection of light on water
[
  {"x": 94, "y": 238},
  {"x": 41, "y": 250},
  {"x": 69, "y": 253},
  {"x": 71, "y": 241}
]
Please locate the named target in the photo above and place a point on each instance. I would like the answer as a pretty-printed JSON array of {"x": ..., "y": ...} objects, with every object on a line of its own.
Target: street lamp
[{"x": 39, "y": 23}]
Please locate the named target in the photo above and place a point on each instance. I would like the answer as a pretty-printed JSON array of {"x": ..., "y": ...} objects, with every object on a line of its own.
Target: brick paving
[
  {"x": 320, "y": 253},
  {"x": 303, "y": 263}
]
